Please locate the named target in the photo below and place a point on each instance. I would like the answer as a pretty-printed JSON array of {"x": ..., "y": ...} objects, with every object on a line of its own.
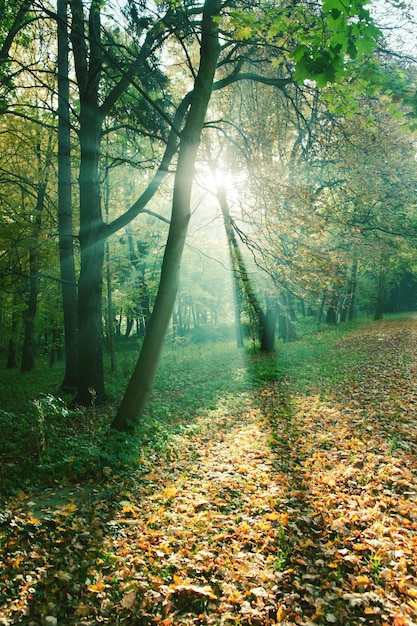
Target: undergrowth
[{"x": 44, "y": 441}]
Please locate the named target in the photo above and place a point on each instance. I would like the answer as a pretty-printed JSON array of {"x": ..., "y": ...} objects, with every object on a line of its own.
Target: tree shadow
[
  {"x": 51, "y": 542},
  {"x": 348, "y": 455}
]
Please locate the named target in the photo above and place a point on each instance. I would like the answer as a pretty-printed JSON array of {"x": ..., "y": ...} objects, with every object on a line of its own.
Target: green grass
[{"x": 42, "y": 440}]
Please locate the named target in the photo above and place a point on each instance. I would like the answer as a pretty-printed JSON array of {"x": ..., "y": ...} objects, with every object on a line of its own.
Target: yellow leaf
[
  {"x": 151, "y": 476},
  {"x": 97, "y": 587},
  {"x": 284, "y": 519},
  {"x": 196, "y": 590},
  {"x": 276, "y": 61},
  {"x": 83, "y": 610},
  {"x": 281, "y": 614},
  {"x": 169, "y": 492},
  {"x": 68, "y": 510},
  {"x": 234, "y": 597},
  {"x": 273, "y": 517},
  {"x": 412, "y": 592}
]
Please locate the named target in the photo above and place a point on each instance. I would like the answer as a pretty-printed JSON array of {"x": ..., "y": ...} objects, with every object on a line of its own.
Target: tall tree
[
  {"x": 42, "y": 176},
  {"x": 65, "y": 222},
  {"x": 311, "y": 60},
  {"x": 141, "y": 382}
]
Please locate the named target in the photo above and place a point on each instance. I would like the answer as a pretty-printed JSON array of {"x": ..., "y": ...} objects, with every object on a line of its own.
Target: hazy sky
[{"x": 400, "y": 26}]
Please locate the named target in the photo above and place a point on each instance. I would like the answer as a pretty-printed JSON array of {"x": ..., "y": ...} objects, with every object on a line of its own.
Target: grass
[
  {"x": 273, "y": 506},
  {"x": 43, "y": 441}
]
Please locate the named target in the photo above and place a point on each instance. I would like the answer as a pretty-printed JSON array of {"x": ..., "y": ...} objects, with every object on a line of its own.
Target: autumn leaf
[
  {"x": 129, "y": 599},
  {"x": 67, "y": 510},
  {"x": 97, "y": 587},
  {"x": 239, "y": 526},
  {"x": 83, "y": 610},
  {"x": 169, "y": 492}
]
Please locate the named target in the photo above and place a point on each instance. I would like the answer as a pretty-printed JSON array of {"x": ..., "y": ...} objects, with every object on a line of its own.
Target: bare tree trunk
[
  {"x": 237, "y": 313},
  {"x": 65, "y": 228},
  {"x": 240, "y": 274},
  {"x": 331, "y": 316},
  {"x": 379, "y": 307},
  {"x": 110, "y": 316},
  {"x": 141, "y": 382},
  {"x": 353, "y": 285},
  {"x": 28, "y": 352},
  {"x": 268, "y": 334}
]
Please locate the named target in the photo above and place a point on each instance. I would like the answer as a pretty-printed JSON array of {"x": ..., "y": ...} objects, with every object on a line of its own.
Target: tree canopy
[{"x": 305, "y": 109}]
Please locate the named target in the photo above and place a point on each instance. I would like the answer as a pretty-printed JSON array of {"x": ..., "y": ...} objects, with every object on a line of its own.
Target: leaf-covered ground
[{"x": 285, "y": 506}]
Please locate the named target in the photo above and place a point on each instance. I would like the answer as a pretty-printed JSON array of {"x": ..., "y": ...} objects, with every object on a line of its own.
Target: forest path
[{"x": 281, "y": 506}]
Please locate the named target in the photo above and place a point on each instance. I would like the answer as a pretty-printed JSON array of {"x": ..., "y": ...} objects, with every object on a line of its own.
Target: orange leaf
[
  {"x": 369, "y": 611},
  {"x": 97, "y": 587}
]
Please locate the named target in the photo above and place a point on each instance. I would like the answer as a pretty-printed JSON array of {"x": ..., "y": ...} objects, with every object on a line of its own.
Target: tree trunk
[
  {"x": 110, "y": 316},
  {"x": 322, "y": 303},
  {"x": 268, "y": 334},
  {"x": 237, "y": 314},
  {"x": 65, "y": 227},
  {"x": 28, "y": 351},
  {"x": 241, "y": 278},
  {"x": 286, "y": 313},
  {"x": 88, "y": 52},
  {"x": 353, "y": 285},
  {"x": 379, "y": 307},
  {"x": 14, "y": 332},
  {"x": 88, "y": 66},
  {"x": 91, "y": 373},
  {"x": 141, "y": 382},
  {"x": 138, "y": 260},
  {"x": 331, "y": 317}
]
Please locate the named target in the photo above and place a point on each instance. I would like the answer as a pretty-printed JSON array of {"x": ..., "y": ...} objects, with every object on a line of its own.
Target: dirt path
[{"x": 280, "y": 508}]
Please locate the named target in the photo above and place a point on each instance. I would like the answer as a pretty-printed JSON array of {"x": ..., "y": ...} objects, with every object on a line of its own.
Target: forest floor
[{"x": 284, "y": 505}]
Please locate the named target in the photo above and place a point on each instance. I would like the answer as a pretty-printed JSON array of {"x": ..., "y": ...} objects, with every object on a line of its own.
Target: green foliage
[
  {"x": 318, "y": 45},
  {"x": 45, "y": 441}
]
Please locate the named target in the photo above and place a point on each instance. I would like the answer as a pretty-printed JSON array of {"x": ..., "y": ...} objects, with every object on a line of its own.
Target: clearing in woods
[{"x": 288, "y": 504}]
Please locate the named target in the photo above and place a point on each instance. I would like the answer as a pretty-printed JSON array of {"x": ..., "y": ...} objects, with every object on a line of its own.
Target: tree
[
  {"x": 141, "y": 382},
  {"x": 108, "y": 66},
  {"x": 91, "y": 58},
  {"x": 40, "y": 184},
  {"x": 65, "y": 225}
]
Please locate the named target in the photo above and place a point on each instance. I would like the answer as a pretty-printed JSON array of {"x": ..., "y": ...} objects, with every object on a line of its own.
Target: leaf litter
[{"x": 291, "y": 507}]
